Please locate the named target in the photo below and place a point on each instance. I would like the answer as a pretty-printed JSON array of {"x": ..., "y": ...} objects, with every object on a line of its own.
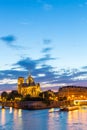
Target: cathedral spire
[{"x": 29, "y": 73}]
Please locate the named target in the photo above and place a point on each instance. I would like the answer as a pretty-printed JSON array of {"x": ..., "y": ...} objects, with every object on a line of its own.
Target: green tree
[
  {"x": 4, "y": 95},
  {"x": 13, "y": 94}
]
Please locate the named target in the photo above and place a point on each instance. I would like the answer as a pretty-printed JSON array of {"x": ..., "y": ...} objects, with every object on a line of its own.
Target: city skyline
[{"x": 46, "y": 38}]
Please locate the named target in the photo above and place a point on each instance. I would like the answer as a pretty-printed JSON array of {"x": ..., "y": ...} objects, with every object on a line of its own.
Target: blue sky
[{"x": 47, "y": 37}]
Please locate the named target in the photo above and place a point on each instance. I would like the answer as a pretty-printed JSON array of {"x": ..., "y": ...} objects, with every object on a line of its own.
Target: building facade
[
  {"x": 73, "y": 92},
  {"x": 28, "y": 87}
]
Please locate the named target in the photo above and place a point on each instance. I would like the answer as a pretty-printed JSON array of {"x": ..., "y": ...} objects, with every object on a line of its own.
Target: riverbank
[
  {"x": 35, "y": 105},
  {"x": 31, "y": 105}
]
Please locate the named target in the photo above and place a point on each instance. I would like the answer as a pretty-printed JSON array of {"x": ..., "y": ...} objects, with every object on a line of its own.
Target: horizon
[{"x": 46, "y": 38}]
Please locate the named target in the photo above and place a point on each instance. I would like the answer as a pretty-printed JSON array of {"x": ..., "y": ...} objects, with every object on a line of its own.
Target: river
[{"x": 17, "y": 119}]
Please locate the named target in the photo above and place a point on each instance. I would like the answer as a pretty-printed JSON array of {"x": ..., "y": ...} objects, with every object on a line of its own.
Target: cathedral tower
[{"x": 20, "y": 82}]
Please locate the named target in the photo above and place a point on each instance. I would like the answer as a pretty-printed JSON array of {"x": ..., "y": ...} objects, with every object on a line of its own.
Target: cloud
[
  {"x": 47, "y": 41},
  {"x": 46, "y": 58},
  {"x": 9, "y": 39},
  {"x": 45, "y": 50},
  {"x": 84, "y": 67},
  {"x": 7, "y": 81},
  {"x": 27, "y": 64}
]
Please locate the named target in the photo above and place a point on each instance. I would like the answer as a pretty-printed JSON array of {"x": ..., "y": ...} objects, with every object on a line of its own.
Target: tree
[
  {"x": 4, "y": 95},
  {"x": 13, "y": 94}
]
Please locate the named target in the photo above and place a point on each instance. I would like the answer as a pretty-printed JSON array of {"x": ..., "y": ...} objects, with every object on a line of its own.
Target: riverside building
[{"x": 73, "y": 93}]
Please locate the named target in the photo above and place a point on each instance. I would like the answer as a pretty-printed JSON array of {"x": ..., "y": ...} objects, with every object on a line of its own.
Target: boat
[
  {"x": 54, "y": 110},
  {"x": 69, "y": 108}
]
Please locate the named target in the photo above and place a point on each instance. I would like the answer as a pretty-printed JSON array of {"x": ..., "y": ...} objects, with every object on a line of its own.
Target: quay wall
[{"x": 34, "y": 105}]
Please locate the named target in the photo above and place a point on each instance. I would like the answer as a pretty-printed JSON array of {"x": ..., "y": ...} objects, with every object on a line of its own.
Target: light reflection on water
[
  {"x": 17, "y": 119},
  {"x": 3, "y": 116},
  {"x": 78, "y": 118}
]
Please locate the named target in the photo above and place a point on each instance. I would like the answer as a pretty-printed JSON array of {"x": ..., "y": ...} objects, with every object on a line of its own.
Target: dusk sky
[{"x": 47, "y": 38}]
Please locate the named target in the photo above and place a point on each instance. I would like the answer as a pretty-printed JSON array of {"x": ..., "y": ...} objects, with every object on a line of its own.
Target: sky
[{"x": 46, "y": 38}]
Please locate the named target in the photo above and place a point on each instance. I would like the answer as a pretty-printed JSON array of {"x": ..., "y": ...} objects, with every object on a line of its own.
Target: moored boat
[{"x": 69, "y": 108}]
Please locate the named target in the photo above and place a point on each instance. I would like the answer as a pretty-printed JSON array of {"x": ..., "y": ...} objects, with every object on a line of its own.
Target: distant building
[
  {"x": 29, "y": 87},
  {"x": 73, "y": 92}
]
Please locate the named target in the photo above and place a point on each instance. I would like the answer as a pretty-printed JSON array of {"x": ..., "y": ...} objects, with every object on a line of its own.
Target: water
[{"x": 14, "y": 119}]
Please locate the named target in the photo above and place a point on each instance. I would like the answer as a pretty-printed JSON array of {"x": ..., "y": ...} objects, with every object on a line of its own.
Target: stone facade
[
  {"x": 73, "y": 92},
  {"x": 29, "y": 87}
]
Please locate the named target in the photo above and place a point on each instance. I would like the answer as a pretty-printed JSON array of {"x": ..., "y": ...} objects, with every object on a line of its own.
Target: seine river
[{"x": 14, "y": 119}]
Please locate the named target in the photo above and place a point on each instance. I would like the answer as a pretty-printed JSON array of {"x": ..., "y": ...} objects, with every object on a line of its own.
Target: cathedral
[{"x": 29, "y": 87}]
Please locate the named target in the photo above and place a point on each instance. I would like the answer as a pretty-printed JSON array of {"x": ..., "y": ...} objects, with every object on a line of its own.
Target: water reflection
[
  {"x": 17, "y": 119},
  {"x": 73, "y": 116},
  {"x": 57, "y": 120},
  {"x": 10, "y": 111},
  {"x": 72, "y": 120},
  {"x": 77, "y": 120},
  {"x": 19, "y": 113},
  {"x": 3, "y": 116}
]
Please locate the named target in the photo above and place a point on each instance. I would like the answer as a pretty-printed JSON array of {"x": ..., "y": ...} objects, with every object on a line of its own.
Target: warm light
[
  {"x": 20, "y": 113},
  {"x": 51, "y": 110},
  {"x": 17, "y": 98},
  {"x": 69, "y": 97},
  {"x": 10, "y": 110},
  {"x": 3, "y": 116},
  {"x": 81, "y": 96},
  {"x": 0, "y": 98},
  {"x": 72, "y": 96}
]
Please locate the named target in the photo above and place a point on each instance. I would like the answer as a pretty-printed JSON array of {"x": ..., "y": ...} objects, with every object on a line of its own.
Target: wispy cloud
[
  {"x": 47, "y": 41},
  {"x": 8, "y": 81},
  {"x": 27, "y": 64},
  {"x": 46, "y": 58},
  {"x": 9, "y": 39},
  {"x": 84, "y": 67},
  {"x": 46, "y": 50}
]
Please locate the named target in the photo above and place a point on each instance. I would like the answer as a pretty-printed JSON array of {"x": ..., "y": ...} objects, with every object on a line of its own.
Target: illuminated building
[
  {"x": 29, "y": 87},
  {"x": 73, "y": 92}
]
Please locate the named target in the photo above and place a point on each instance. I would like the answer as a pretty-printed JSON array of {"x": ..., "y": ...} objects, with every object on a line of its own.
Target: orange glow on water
[{"x": 3, "y": 116}]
